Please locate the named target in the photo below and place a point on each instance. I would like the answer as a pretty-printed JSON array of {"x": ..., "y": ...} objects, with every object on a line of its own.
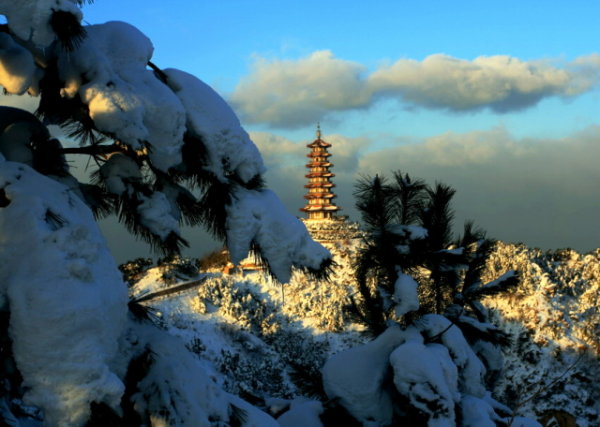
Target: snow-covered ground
[{"x": 263, "y": 340}]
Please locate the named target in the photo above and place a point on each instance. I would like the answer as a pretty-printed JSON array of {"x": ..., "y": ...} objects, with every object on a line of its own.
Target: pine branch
[
  {"x": 48, "y": 158},
  {"x": 372, "y": 311},
  {"x": 54, "y": 220},
  {"x": 410, "y": 197},
  {"x": 213, "y": 207},
  {"x": 70, "y": 114},
  {"x": 99, "y": 200},
  {"x": 128, "y": 214},
  {"x": 96, "y": 150},
  {"x": 190, "y": 209},
  {"x": 321, "y": 274},
  {"x": 439, "y": 335},
  {"x": 374, "y": 202},
  {"x": 158, "y": 72},
  {"x": 503, "y": 283},
  {"x": 237, "y": 416},
  {"x": 471, "y": 236},
  {"x": 67, "y": 28},
  {"x": 474, "y": 329},
  {"x": 39, "y": 55},
  {"x": 478, "y": 251},
  {"x": 437, "y": 216}
]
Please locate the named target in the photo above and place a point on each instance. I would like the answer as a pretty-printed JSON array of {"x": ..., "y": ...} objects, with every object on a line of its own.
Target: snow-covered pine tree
[
  {"x": 166, "y": 150},
  {"x": 441, "y": 352},
  {"x": 153, "y": 134}
]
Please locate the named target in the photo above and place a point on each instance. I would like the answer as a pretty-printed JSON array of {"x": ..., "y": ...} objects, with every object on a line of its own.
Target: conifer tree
[
  {"x": 165, "y": 150},
  {"x": 448, "y": 270},
  {"x": 376, "y": 262},
  {"x": 435, "y": 353}
]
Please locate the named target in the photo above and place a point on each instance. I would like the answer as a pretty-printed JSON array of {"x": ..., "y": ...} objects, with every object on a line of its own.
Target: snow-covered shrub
[
  {"x": 231, "y": 323},
  {"x": 241, "y": 303},
  {"x": 323, "y": 304},
  {"x": 132, "y": 270},
  {"x": 216, "y": 260},
  {"x": 177, "y": 268},
  {"x": 552, "y": 318},
  {"x": 527, "y": 366},
  {"x": 516, "y": 376},
  {"x": 426, "y": 376},
  {"x": 318, "y": 304},
  {"x": 356, "y": 378},
  {"x": 433, "y": 369}
]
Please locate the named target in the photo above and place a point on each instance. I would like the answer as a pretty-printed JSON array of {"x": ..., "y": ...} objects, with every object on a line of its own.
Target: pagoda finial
[{"x": 318, "y": 130}]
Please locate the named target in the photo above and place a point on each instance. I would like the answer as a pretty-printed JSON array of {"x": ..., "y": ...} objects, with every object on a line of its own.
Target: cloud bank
[
  {"x": 292, "y": 93},
  {"x": 299, "y": 92},
  {"x": 542, "y": 192}
]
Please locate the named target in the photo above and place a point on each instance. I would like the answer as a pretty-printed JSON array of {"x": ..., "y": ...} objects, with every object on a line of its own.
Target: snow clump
[
  {"x": 259, "y": 217},
  {"x": 108, "y": 72},
  {"x": 70, "y": 313}
]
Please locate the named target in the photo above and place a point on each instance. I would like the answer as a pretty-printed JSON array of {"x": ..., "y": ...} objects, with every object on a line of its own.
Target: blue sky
[
  {"x": 221, "y": 42},
  {"x": 498, "y": 99}
]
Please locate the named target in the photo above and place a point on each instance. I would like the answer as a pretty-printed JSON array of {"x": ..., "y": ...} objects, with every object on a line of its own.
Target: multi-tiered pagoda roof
[{"x": 319, "y": 197}]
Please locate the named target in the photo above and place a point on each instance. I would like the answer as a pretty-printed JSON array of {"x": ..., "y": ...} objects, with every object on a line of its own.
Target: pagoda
[{"x": 319, "y": 198}]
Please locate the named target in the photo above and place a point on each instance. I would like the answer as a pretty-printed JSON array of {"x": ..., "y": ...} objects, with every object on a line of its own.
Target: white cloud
[
  {"x": 277, "y": 149},
  {"x": 280, "y": 152},
  {"x": 288, "y": 93},
  {"x": 450, "y": 149},
  {"x": 502, "y": 83}
]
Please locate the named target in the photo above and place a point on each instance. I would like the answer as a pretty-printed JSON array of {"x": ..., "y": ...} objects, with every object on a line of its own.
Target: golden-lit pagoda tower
[{"x": 320, "y": 197}]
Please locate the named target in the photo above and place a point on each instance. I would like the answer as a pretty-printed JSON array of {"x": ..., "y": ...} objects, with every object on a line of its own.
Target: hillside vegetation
[{"x": 268, "y": 342}]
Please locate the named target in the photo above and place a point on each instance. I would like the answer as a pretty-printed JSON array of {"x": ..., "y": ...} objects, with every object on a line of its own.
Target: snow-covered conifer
[
  {"x": 167, "y": 150},
  {"x": 416, "y": 277},
  {"x": 153, "y": 133}
]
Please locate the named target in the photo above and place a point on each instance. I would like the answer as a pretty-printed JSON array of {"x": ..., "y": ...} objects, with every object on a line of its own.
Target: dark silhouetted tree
[{"x": 447, "y": 269}]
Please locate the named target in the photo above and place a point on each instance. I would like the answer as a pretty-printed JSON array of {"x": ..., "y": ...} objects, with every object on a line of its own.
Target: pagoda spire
[{"x": 319, "y": 197}]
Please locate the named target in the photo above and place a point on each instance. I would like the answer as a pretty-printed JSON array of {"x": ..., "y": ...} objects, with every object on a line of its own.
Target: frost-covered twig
[
  {"x": 542, "y": 387},
  {"x": 173, "y": 290},
  {"x": 439, "y": 335}
]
